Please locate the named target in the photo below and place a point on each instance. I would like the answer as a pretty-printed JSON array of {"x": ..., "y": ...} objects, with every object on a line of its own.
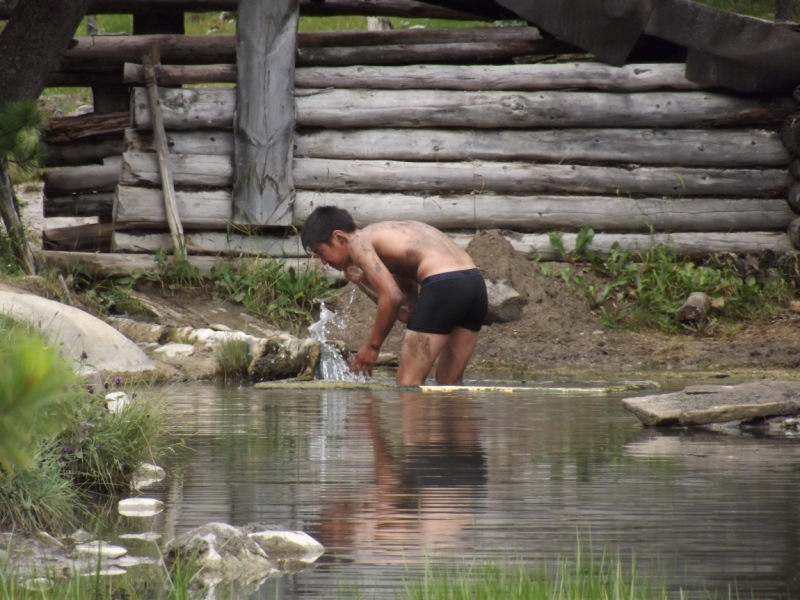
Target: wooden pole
[
  {"x": 264, "y": 122},
  {"x": 175, "y": 228},
  {"x": 16, "y": 232}
]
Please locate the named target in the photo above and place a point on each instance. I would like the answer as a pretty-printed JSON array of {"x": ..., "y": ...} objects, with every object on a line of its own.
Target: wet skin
[{"x": 387, "y": 261}]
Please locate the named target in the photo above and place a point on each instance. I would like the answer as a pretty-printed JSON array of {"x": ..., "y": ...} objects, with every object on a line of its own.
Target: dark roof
[{"x": 722, "y": 48}]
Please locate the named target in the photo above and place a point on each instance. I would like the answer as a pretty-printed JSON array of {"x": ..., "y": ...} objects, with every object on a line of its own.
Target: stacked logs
[
  {"x": 638, "y": 153},
  {"x": 790, "y": 134}
]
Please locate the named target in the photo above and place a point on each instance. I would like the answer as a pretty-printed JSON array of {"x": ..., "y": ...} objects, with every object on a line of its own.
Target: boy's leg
[
  {"x": 455, "y": 355},
  {"x": 418, "y": 355}
]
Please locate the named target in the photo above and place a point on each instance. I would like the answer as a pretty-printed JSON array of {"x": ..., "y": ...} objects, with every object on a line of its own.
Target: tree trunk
[
  {"x": 16, "y": 232},
  {"x": 31, "y": 45}
]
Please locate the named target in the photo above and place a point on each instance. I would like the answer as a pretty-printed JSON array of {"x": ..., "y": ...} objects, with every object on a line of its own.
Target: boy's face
[{"x": 335, "y": 254}]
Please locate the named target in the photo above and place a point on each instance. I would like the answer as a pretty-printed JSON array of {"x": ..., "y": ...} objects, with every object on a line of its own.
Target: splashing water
[{"x": 332, "y": 365}]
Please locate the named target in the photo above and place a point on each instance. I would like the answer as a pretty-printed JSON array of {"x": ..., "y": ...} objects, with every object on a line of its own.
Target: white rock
[
  {"x": 107, "y": 572},
  {"x": 146, "y": 475},
  {"x": 117, "y": 401},
  {"x": 289, "y": 544},
  {"x": 140, "y": 507},
  {"x": 133, "y": 561},
  {"x": 101, "y": 549},
  {"x": 175, "y": 350},
  {"x": 149, "y": 536},
  {"x": 38, "y": 584}
]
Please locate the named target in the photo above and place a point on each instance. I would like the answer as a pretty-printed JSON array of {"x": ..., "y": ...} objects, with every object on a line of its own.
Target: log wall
[{"x": 390, "y": 125}]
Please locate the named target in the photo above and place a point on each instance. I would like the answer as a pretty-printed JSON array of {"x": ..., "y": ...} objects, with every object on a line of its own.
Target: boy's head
[{"x": 322, "y": 222}]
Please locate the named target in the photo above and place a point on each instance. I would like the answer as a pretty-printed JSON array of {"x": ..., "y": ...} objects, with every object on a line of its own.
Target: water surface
[{"x": 387, "y": 480}]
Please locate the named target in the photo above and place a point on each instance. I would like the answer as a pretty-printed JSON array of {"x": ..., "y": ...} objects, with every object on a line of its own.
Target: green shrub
[
  {"x": 233, "y": 359},
  {"x": 646, "y": 289}
]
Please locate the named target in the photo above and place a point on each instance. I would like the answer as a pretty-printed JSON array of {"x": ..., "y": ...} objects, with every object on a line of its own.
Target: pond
[{"x": 387, "y": 480}]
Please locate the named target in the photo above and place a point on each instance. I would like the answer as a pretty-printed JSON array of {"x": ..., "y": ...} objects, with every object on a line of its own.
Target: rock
[
  {"x": 89, "y": 375},
  {"x": 102, "y": 549},
  {"x": 81, "y": 536},
  {"x": 296, "y": 545},
  {"x": 149, "y": 536},
  {"x": 173, "y": 351},
  {"x": 221, "y": 549},
  {"x": 38, "y": 584},
  {"x": 78, "y": 334},
  {"x": 282, "y": 357},
  {"x": 116, "y": 401},
  {"x": 111, "y": 571},
  {"x": 139, "y": 332},
  {"x": 146, "y": 475},
  {"x": 140, "y": 507},
  {"x": 505, "y": 303}
]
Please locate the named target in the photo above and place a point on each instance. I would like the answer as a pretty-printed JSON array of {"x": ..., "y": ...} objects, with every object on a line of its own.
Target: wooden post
[
  {"x": 170, "y": 206},
  {"x": 263, "y": 189},
  {"x": 16, "y": 232}
]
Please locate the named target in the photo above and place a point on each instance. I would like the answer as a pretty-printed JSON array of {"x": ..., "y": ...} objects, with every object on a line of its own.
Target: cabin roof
[{"x": 722, "y": 48}]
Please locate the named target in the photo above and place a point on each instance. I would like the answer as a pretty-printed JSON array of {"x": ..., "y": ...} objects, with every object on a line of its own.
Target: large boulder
[
  {"x": 85, "y": 339},
  {"x": 282, "y": 357}
]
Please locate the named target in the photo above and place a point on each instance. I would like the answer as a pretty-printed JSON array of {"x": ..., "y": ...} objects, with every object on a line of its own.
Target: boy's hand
[{"x": 364, "y": 360}]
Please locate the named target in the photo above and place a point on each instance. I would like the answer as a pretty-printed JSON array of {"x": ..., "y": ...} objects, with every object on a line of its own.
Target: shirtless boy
[{"x": 415, "y": 274}]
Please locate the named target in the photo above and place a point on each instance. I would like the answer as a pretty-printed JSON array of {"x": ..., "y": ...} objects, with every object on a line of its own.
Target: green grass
[
  {"x": 645, "y": 289},
  {"x": 233, "y": 360}
]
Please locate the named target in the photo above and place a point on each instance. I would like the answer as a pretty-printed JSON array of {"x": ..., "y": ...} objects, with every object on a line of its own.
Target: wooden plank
[
  {"x": 118, "y": 265},
  {"x": 554, "y": 213},
  {"x": 181, "y": 74},
  {"x": 213, "y": 108},
  {"x": 201, "y": 210},
  {"x": 93, "y": 237},
  {"x": 91, "y": 178},
  {"x": 346, "y": 175},
  {"x": 264, "y": 123},
  {"x": 582, "y": 75},
  {"x": 80, "y": 205},
  {"x": 680, "y": 147},
  {"x": 450, "y": 35},
  {"x": 509, "y": 177}
]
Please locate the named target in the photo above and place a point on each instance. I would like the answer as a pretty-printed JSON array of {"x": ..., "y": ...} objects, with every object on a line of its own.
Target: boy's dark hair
[{"x": 322, "y": 222}]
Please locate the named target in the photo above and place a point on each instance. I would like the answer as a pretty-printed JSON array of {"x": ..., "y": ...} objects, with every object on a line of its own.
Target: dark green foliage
[
  {"x": 20, "y": 126},
  {"x": 233, "y": 359}
]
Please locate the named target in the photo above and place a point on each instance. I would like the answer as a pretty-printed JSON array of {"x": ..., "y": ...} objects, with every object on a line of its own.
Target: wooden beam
[
  {"x": 142, "y": 169},
  {"x": 521, "y": 213},
  {"x": 83, "y": 152},
  {"x": 80, "y": 205},
  {"x": 451, "y": 35},
  {"x": 212, "y": 242},
  {"x": 263, "y": 127},
  {"x": 69, "y": 129},
  {"x": 677, "y": 147},
  {"x": 77, "y": 180},
  {"x": 213, "y": 108}
]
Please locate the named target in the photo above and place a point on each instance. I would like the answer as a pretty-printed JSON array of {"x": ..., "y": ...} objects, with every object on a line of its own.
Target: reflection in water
[
  {"x": 385, "y": 480},
  {"x": 426, "y": 486}
]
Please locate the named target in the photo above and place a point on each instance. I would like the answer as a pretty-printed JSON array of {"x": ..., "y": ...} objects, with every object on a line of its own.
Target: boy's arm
[
  {"x": 407, "y": 287},
  {"x": 389, "y": 298}
]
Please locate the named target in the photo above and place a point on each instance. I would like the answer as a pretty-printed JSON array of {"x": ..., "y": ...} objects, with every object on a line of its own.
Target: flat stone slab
[{"x": 706, "y": 404}]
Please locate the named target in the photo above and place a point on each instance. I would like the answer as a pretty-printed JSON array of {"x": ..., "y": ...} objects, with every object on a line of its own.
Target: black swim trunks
[{"x": 449, "y": 300}]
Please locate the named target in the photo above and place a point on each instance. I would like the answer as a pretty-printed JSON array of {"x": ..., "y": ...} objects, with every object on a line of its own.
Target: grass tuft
[{"x": 233, "y": 360}]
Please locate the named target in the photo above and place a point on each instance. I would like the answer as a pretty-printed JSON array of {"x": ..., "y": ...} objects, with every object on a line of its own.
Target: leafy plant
[{"x": 20, "y": 126}]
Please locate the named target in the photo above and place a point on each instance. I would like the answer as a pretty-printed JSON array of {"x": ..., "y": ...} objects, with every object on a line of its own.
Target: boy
[{"x": 387, "y": 260}]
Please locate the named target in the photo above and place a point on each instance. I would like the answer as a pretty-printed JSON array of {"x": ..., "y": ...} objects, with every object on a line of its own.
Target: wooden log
[
  {"x": 410, "y": 54},
  {"x": 88, "y": 77},
  {"x": 790, "y": 133},
  {"x": 794, "y": 169},
  {"x": 396, "y": 8},
  {"x": 537, "y": 245},
  {"x": 695, "y": 309},
  {"x": 793, "y": 197},
  {"x": 212, "y": 210},
  {"x": 211, "y": 242},
  {"x": 583, "y": 75},
  {"x": 204, "y": 142},
  {"x": 80, "y": 205},
  {"x": 69, "y": 129},
  {"x": 793, "y": 232},
  {"x": 350, "y": 175},
  {"x": 121, "y": 265},
  {"x": 343, "y": 175},
  {"x": 264, "y": 123},
  {"x": 76, "y": 180},
  {"x": 94, "y": 237},
  {"x": 181, "y": 74},
  {"x": 679, "y": 147},
  {"x": 149, "y": 61},
  {"x": 451, "y": 35},
  {"x": 213, "y": 109},
  {"x": 83, "y": 152},
  {"x": 200, "y": 210},
  {"x": 141, "y": 169},
  {"x": 553, "y": 213}
]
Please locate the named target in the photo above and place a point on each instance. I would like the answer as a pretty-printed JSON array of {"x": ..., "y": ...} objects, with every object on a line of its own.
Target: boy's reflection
[{"x": 425, "y": 489}]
